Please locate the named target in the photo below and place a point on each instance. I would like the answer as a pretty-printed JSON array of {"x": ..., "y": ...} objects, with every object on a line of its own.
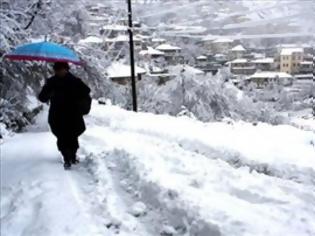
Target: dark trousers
[{"x": 68, "y": 146}]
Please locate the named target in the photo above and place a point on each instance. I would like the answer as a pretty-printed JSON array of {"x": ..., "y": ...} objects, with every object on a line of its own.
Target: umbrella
[{"x": 44, "y": 51}]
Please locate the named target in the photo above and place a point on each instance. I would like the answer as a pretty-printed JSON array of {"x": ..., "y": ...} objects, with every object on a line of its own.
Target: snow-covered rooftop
[
  {"x": 158, "y": 40},
  {"x": 258, "y": 55},
  {"x": 159, "y": 75},
  {"x": 151, "y": 51},
  {"x": 290, "y": 51},
  {"x": 304, "y": 45},
  {"x": 122, "y": 38},
  {"x": 219, "y": 55},
  {"x": 267, "y": 60},
  {"x": 223, "y": 40},
  {"x": 115, "y": 27},
  {"x": 91, "y": 39},
  {"x": 119, "y": 38},
  {"x": 202, "y": 57},
  {"x": 238, "y": 48},
  {"x": 304, "y": 76},
  {"x": 118, "y": 70},
  {"x": 240, "y": 60},
  {"x": 193, "y": 70},
  {"x": 270, "y": 74},
  {"x": 142, "y": 36},
  {"x": 168, "y": 47},
  {"x": 307, "y": 63}
]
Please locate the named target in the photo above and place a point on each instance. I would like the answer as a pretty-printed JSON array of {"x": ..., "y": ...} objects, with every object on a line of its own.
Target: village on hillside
[{"x": 251, "y": 60}]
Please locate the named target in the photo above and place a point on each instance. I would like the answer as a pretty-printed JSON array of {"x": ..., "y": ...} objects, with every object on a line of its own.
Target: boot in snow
[
  {"x": 67, "y": 156},
  {"x": 67, "y": 166},
  {"x": 75, "y": 161}
]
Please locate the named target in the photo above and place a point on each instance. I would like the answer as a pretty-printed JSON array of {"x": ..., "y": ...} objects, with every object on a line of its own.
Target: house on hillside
[
  {"x": 151, "y": 53},
  {"x": 307, "y": 48},
  {"x": 171, "y": 53},
  {"x": 308, "y": 56},
  {"x": 121, "y": 41},
  {"x": 290, "y": 59},
  {"x": 91, "y": 40},
  {"x": 220, "y": 58},
  {"x": 262, "y": 79},
  {"x": 159, "y": 75},
  {"x": 265, "y": 64},
  {"x": 208, "y": 64},
  {"x": 221, "y": 45},
  {"x": 155, "y": 42},
  {"x": 113, "y": 31},
  {"x": 146, "y": 39},
  {"x": 201, "y": 61},
  {"x": 121, "y": 74},
  {"x": 237, "y": 52},
  {"x": 306, "y": 67},
  {"x": 242, "y": 66}
]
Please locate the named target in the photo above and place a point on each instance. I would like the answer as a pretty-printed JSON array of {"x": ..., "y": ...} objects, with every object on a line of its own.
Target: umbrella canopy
[{"x": 44, "y": 51}]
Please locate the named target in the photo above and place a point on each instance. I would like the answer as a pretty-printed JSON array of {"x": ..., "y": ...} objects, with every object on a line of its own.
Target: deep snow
[{"x": 144, "y": 174}]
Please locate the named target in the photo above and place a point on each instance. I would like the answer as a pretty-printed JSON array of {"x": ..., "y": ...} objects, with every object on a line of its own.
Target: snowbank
[
  {"x": 210, "y": 178},
  {"x": 266, "y": 144}
]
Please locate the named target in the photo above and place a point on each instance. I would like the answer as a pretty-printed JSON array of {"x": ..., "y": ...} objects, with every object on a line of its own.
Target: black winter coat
[{"x": 64, "y": 94}]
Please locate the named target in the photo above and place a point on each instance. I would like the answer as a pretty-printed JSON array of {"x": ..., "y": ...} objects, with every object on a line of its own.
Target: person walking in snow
[{"x": 69, "y": 100}]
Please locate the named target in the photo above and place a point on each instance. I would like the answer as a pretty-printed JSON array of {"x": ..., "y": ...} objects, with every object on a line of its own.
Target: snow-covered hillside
[
  {"x": 144, "y": 174},
  {"x": 253, "y": 17}
]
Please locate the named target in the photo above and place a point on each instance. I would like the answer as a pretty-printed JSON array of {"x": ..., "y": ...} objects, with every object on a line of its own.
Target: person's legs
[
  {"x": 63, "y": 143},
  {"x": 73, "y": 146},
  {"x": 68, "y": 146}
]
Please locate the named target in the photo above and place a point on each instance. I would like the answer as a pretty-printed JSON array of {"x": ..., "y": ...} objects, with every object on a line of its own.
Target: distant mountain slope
[{"x": 292, "y": 16}]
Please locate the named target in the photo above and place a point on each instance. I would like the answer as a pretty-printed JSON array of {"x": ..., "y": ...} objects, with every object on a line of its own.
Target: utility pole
[{"x": 132, "y": 58}]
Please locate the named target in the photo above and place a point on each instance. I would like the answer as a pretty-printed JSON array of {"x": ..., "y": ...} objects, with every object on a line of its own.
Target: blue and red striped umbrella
[{"x": 44, "y": 51}]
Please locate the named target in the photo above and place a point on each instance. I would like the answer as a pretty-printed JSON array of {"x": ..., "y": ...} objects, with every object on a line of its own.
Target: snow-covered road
[
  {"x": 149, "y": 175},
  {"x": 37, "y": 196}
]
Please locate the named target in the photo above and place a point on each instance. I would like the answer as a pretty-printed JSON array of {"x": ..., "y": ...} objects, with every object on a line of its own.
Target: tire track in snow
[
  {"x": 163, "y": 219},
  {"x": 76, "y": 196},
  {"x": 108, "y": 202},
  {"x": 166, "y": 217}
]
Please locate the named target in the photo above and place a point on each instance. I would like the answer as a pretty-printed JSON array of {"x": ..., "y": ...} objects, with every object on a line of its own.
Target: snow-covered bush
[{"x": 207, "y": 97}]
